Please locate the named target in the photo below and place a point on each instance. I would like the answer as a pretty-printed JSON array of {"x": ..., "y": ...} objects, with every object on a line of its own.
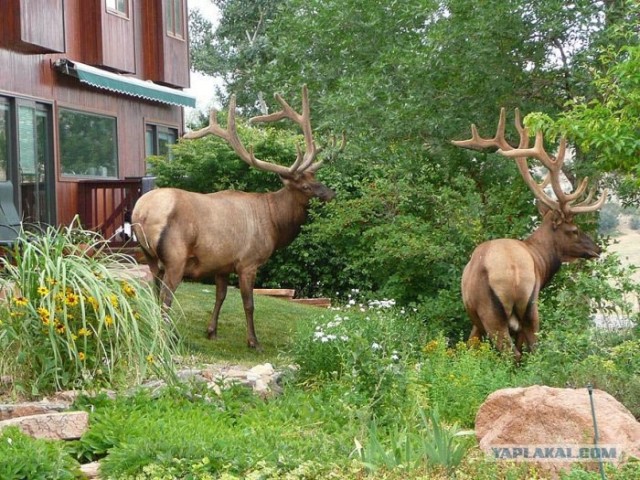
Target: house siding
[{"x": 93, "y": 36}]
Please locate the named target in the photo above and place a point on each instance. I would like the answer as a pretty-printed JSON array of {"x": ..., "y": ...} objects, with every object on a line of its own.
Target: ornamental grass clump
[{"x": 73, "y": 318}]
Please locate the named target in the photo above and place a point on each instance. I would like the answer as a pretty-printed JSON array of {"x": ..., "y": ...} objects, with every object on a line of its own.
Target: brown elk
[
  {"x": 501, "y": 282},
  {"x": 202, "y": 235}
]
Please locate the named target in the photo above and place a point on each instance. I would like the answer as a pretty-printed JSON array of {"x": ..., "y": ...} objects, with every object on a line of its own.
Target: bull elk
[
  {"x": 202, "y": 235},
  {"x": 501, "y": 282}
]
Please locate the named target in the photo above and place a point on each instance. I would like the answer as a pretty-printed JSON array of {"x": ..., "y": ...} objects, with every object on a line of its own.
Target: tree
[{"x": 402, "y": 79}]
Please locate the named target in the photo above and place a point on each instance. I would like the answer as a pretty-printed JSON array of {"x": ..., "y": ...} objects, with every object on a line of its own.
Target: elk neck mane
[
  {"x": 544, "y": 252},
  {"x": 288, "y": 211}
]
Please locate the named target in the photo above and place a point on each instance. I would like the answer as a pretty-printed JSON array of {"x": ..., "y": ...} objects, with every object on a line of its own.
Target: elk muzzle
[{"x": 323, "y": 192}]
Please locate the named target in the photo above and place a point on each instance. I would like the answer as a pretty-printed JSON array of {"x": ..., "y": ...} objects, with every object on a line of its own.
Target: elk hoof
[
  {"x": 212, "y": 334},
  {"x": 255, "y": 345}
]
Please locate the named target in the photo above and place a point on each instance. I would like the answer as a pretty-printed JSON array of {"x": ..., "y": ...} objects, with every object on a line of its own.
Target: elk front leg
[
  {"x": 222, "y": 281},
  {"x": 247, "y": 280}
]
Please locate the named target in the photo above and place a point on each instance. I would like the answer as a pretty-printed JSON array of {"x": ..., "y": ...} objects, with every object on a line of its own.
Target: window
[
  {"x": 174, "y": 16},
  {"x": 158, "y": 138},
  {"x": 120, "y": 7},
  {"x": 88, "y": 144}
]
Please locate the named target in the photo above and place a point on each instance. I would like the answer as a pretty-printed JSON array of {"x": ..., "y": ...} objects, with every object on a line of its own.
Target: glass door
[{"x": 34, "y": 173}]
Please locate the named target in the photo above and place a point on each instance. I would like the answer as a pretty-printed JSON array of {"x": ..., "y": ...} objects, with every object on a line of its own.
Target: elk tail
[{"x": 501, "y": 312}]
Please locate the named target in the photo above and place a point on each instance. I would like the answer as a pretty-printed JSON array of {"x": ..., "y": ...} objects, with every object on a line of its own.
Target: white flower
[
  {"x": 331, "y": 337},
  {"x": 324, "y": 339},
  {"x": 318, "y": 334},
  {"x": 344, "y": 338},
  {"x": 352, "y": 302},
  {"x": 9, "y": 440},
  {"x": 375, "y": 346}
]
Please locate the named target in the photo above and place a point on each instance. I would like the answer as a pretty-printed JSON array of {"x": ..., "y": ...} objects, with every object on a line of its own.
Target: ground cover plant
[{"x": 376, "y": 394}]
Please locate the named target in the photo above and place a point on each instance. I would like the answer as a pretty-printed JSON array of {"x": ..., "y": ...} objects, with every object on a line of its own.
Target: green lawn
[{"x": 275, "y": 322}]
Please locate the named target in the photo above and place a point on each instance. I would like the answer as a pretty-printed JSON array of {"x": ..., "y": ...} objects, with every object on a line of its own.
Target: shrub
[
  {"x": 457, "y": 380},
  {"x": 72, "y": 320},
  {"x": 23, "y": 457},
  {"x": 368, "y": 347}
]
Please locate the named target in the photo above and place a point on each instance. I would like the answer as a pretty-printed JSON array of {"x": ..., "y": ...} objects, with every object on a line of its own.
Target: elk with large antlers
[
  {"x": 501, "y": 282},
  {"x": 201, "y": 235}
]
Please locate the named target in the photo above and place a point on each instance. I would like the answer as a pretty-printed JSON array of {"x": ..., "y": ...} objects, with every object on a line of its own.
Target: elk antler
[
  {"x": 564, "y": 201},
  {"x": 554, "y": 166},
  {"x": 304, "y": 161}
]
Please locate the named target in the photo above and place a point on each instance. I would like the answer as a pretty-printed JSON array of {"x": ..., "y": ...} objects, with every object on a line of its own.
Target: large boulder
[{"x": 553, "y": 427}]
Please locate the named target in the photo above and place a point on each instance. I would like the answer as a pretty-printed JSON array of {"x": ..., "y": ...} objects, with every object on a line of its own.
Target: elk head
[{"x": 501, "y": 282}]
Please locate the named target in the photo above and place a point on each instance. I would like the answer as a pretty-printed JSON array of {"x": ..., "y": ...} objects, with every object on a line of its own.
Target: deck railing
[{"x": 104, "y": 205}]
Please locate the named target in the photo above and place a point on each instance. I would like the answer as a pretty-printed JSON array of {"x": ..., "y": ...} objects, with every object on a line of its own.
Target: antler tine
[
  {"x": 586, "y": 206},
  {"x": 476, "y": 142},
  {"x": 304, "y": 160}
]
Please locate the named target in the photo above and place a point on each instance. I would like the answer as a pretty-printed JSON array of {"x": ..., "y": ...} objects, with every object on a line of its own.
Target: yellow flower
[
  {"x": 52, "y": 281},
  {"x": 59, "y": 328},
  {"x": 43, "y": 291},
  {"x": 84, "y": 332},
  {"x": 432, "y": 346},
  {"x": 74, "y": 337},
  {"x": 108, "y": 320},
  {"x": 81, "y": 356},
  {"x": 72, "y": 299},
  {"x": 150, "y": 358},
  {"x": 114, "y": 300},
  {"x": 93, "y": 302},
  {"x": 21, "y": 301},
  {"x": 43, "y": 312},
  {"x": 128, "y": 289}
]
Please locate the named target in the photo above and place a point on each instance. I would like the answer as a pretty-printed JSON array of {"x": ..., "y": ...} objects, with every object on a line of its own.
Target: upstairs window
[
  {"x": 174, "y": 17},
  {"x": 119, "y": 7}
]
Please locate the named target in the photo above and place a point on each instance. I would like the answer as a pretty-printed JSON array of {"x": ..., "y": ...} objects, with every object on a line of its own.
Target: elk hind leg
[
  {"x": 495, "y": 321},
  {"x": 530, "y": 327},
  {"x": 247, "y": 281},
  {"x": 222, "y": 282}
]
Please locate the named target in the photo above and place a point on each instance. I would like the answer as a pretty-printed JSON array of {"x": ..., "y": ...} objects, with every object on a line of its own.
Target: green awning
[{"x": 132, "y": 86}]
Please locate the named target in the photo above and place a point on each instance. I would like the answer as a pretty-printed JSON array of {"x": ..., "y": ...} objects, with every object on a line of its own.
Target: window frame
[
  {"x": 171, "y": 23},
  {"x": 155, "y": 129},
  {"x": 115, "y": 11},
  {"x": 79, "y": 176}
]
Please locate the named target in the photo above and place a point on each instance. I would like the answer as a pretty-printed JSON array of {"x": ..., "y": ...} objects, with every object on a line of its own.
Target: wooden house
[{"x": 88, "y": 90}]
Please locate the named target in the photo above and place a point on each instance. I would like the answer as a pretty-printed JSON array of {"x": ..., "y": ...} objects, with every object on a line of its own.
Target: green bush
[
  {"x": 368, "y": 348},
  {"x": 72, "y": 320},
  {"x": 23, "y": 457}
]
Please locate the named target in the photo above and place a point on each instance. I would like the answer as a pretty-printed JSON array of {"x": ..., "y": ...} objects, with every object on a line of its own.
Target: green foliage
[
  {"x": 73, "y": 320},
  {"x": 23, "y": 457},
  {"x": 179, "y": 429},
  {"x": 402, "y": 447},
  {"x": 366, "y": 348},
  {"x": 209, "y": 164}
]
